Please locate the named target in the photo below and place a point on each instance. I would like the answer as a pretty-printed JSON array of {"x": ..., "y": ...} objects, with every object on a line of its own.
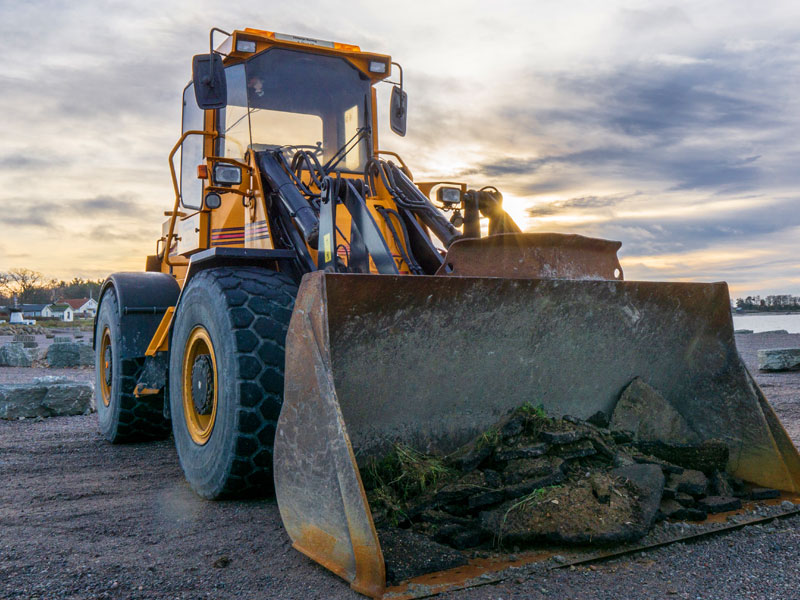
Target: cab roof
[{"x": 242, "y": 44}]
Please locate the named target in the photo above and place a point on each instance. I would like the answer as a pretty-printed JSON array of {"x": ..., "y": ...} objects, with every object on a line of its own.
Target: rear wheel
[
  {"x": 122, "y": 416},
  {"x": 226, "y": 377}
]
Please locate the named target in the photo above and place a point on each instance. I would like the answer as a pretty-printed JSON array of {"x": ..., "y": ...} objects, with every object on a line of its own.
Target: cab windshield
[{"x": 288, "y": 99}]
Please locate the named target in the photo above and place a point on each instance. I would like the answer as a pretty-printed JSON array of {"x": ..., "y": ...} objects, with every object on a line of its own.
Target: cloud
[
  {"x": 28, "y": 212},
  {"x": 580, "y": 203}
]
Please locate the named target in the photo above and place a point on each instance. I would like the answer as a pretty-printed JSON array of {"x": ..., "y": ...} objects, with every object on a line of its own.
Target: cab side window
[{"x": 191, "y": 152}]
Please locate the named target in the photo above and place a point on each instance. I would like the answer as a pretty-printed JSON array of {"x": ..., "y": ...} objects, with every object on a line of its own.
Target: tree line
[
  {"x": 31, "y": 287},
  {"x": 777, "y": 303}
]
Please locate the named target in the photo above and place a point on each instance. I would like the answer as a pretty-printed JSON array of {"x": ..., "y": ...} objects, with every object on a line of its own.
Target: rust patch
[{"x": 461, "y": 577}]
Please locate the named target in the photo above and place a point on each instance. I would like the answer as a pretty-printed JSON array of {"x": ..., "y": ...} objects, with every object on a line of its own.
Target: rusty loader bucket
[{"x": 372, "y": 360}]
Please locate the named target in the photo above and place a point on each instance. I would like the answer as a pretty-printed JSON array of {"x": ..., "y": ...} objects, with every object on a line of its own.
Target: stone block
[
  {"x": 779, "y": 359},
  {"x": 44, "y": 399},
  {"x": 70, "y": 354},
  {"x": 62, "y": 339},
  {"x": 14, "y": 354}
]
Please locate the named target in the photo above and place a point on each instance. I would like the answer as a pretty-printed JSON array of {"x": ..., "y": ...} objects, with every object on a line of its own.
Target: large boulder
[
  {"x": 779, "y": 359},
  {"x": 70, "y": 354},
  {"x": 650, "y": 417},
  {"x": 14, "y": 354},
  {"x": 44, "y": 399}
]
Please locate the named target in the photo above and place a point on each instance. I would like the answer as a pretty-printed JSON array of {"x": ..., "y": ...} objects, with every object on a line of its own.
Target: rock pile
[
  {"x": 8, "y": 329},
  {"x": 531, "y": 479}
]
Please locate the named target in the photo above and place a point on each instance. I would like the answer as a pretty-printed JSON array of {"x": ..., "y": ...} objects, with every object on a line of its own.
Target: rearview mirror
[
  {"x": 398, "y": 110},
  {"x": 208, "y": 76}
]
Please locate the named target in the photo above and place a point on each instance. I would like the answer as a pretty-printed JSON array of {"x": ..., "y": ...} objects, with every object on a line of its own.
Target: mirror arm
[
  {"x": 211, "y": 40},
  {"x": 399, "y": 68}
]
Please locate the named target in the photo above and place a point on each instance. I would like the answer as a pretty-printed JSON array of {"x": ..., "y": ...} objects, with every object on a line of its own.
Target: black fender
[
  {"x": 273, "y": 259},
  {"x": 142, "y": 298}
]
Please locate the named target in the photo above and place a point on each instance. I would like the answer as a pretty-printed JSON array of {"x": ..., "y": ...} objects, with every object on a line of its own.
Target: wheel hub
[
  {"x": 107, "y": 365},
  {"x": 203, "y": 384}
]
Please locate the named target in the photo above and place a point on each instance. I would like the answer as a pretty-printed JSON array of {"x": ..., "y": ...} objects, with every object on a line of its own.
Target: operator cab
[{"x": 288, "y": 100}]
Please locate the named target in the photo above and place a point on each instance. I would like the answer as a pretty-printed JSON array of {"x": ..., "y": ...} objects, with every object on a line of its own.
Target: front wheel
[{"x": 226, "y": 377}]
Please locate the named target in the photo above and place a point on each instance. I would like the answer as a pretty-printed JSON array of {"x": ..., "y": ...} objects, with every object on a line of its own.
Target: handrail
[{"x": 176, "y": 189}]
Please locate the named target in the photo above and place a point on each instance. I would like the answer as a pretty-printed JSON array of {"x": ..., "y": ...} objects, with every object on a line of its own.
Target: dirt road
[{"x": 82, "y": 519}]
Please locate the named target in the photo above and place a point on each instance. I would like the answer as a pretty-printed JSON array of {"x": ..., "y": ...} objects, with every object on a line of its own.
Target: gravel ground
[{"x": 82, "y": 519}]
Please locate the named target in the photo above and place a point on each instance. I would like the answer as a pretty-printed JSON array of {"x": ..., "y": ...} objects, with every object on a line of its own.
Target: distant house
[
  {"x": 33, "y": 310},
  {"x": 60, "y": 311},
  {"x": 81, "y": 307}
]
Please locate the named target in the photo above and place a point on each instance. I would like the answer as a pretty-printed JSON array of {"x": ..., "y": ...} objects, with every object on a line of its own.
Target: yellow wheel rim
[
  {"x": 199, "y": 374},
  {"x": 106, "y": 372}
]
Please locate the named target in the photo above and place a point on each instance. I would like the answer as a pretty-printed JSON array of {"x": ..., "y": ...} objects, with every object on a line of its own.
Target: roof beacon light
[
  {"x": 377, "y": 66},
  {"x": 248, "y": 46}
]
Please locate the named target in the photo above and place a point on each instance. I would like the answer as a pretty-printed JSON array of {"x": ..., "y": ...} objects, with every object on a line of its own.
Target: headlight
[
  {"x": 213, "y": 200},
  {"x": 245, "y": 46},
  {"x": 377, "y": 66},
  {"x": 227, "y": 174},
  {"x": 449, "y": 195}
]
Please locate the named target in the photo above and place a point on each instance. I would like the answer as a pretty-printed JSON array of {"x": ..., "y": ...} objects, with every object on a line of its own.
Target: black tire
[
  {"x": 245, "y": 314},
  {"x": 122, "y": 417}
]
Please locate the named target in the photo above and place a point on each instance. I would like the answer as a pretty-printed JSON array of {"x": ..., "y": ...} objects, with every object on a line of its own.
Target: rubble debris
[
  {"x": 647, "y": 414},
  {"x": 650, "y": 482},
  {"x": 570, "y": 514},
  {"x": 599, "y": 419},
  {"x": 708, "y": 456},
  {"x": 530, "y": 479},
  {"x": 764, "y": 494},
  {"x": 718, "y": 504},
  {"x": 690, "y": 482},
  {"x": 408, "y": 554},
  {"x": 721, "y": 484}
]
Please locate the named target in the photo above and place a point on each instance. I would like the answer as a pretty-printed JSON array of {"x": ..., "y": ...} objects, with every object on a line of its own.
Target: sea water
[{"x": 767, "y": 322}]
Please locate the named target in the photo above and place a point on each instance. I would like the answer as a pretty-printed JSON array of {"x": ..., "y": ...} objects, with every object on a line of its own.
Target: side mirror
[
  {"x": 208, "y": 76},
  {"x": 398, "y": 109}
]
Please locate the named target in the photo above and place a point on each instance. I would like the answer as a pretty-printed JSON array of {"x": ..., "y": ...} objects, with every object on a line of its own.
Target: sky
[{"x": 673, "y": 127}]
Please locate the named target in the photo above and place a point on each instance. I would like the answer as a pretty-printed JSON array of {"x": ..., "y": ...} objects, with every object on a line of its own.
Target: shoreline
[{"x": 751, "y": 313}]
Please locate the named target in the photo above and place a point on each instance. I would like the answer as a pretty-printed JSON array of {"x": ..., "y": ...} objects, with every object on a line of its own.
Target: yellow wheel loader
[{"x": 309, "y": 305}]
